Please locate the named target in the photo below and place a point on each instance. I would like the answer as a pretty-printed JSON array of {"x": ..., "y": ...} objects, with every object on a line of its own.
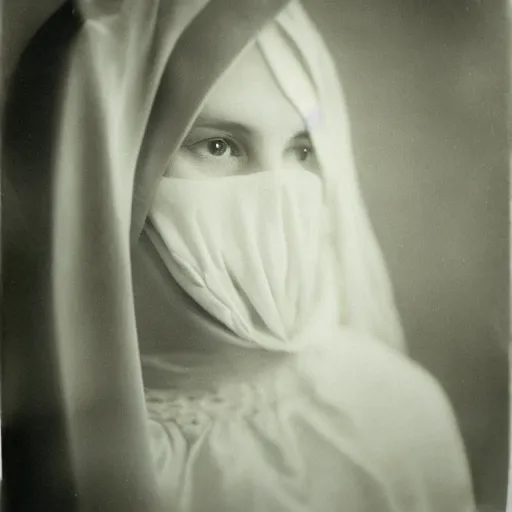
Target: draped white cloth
[
  {"x": 160, "y": 405},
  {"x": 304, "y": 409}
]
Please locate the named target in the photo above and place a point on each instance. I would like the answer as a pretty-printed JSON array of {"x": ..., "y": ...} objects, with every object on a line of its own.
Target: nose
[{"x": 268, "y": 157}]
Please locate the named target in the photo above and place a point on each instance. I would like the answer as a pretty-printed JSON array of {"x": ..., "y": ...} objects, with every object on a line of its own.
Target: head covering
[
  {"x": 368, "y": 303},
  {"x": 137, "y": 75}
]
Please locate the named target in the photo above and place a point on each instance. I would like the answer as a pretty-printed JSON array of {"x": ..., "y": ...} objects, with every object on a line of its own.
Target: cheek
[
  {"x": 185, "y": 164},
  {"x": 182, "y": 166}
]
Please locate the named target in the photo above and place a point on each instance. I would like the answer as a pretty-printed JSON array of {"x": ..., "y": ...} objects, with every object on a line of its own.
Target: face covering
[{"x": 253, "y": 251}]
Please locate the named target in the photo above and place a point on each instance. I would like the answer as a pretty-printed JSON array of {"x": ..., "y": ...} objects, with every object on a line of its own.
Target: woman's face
[{"x": 246, "y": 125}]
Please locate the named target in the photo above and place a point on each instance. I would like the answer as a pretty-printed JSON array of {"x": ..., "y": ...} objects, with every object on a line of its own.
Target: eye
[
  {"x": 217, "y": 147},
  {"x": 210, "y": 155},
  {"x": 303, "y": 153},
  {"x": 302, "y": 150}
]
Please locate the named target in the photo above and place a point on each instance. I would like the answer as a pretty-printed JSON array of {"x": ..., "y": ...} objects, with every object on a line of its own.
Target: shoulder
[
  {"x": 406, "y": 420},
  {"x": 377, "y": 367},
  {"x": 390, "y": 396}
]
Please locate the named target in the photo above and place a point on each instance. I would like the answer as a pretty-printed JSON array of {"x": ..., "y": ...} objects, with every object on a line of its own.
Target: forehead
[{"x": 249, "y": 94}]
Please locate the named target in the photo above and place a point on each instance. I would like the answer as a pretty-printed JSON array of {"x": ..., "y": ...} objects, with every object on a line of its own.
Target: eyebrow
[{"x": 213, "y": 122}]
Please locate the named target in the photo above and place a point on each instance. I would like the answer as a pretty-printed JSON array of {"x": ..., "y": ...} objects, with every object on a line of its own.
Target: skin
[{"x": 246, "y": 125}]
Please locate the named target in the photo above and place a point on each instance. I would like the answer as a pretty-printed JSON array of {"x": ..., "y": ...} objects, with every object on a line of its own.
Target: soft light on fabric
[{"x": 253, "y": 251}]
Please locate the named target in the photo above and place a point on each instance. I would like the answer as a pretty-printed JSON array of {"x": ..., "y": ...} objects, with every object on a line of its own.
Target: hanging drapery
[{"x": 84, "y": 288}]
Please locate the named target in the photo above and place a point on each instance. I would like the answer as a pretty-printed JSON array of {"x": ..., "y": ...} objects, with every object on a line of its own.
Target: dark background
[{"x": 427, "y": 87}]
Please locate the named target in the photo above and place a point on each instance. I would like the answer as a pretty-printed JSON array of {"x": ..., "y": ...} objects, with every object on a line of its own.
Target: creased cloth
[{"x": 99, "y": 316}]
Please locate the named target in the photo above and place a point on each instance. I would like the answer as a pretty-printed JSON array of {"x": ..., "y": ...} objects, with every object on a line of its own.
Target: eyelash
[
  {"x": 298, "y": 148},
  {"x": 204, "y": 144}
]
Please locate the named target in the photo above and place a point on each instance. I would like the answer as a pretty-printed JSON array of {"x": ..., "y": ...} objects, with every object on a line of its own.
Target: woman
[{"x": 208, "y": 266}]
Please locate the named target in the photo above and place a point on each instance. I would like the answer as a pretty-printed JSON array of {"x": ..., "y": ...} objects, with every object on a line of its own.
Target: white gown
[
  {"x": 349, "y": 427},
  {"x": 339, "y": 423}
]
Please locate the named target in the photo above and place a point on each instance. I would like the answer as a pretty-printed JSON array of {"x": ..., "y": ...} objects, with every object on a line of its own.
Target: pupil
[
  {"x": 303, "y": 154},
  {"x": 217, "y": 147}
]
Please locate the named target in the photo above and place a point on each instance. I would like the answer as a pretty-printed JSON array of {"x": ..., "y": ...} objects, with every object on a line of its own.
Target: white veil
[{"x": 367, "y": 296}]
